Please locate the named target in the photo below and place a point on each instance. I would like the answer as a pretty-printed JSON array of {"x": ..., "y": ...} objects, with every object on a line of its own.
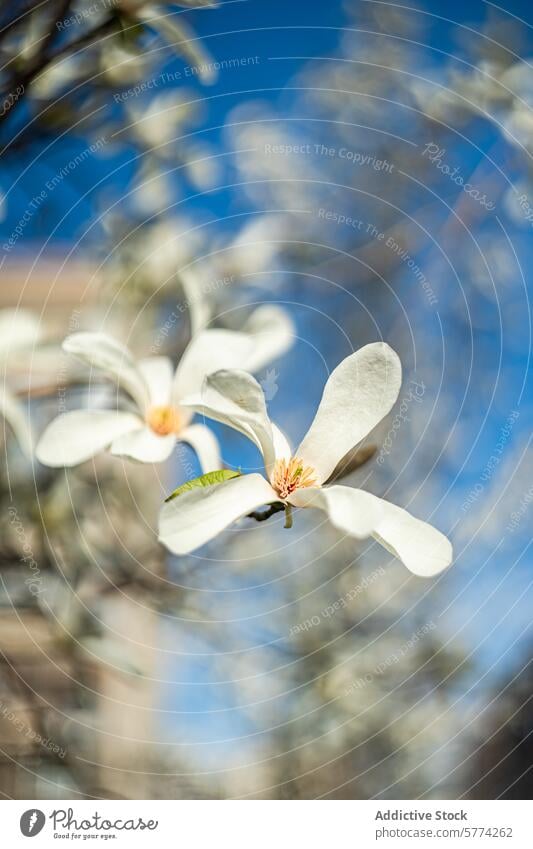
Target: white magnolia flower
[
  {"x": 19, "y": 330},
  {"x": 358, "y": 394},
  {"x": 150, "y": 434}
]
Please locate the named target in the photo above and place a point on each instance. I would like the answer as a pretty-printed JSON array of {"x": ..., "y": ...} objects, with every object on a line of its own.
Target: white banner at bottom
[{"x": 267, "y": 824}]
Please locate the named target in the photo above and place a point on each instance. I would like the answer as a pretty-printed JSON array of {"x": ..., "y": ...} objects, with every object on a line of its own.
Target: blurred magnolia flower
[
  {"x": 153, "y": 257},
  {"x": 517, "y": 79},
  {"x": 358, "y": 394},
  {"x": 202, "y": 166},
  {"x": 161, "y": 120},
  {"x": 170, "y": 25},
  {"x": 255, "y": 248},
  {"x": 19, "y": 330},
  {"x": 250, "y": 258},
  {"x": 153, "y": 190},
  {"x": 517, "y": 126},
  {"x": 123, "y": 65},
  {"x": 59, "y": 76},
  {"x": 166, "y": 246},
  {"x": 150, "y": 434},
  {"x": 274, "y": 162}
]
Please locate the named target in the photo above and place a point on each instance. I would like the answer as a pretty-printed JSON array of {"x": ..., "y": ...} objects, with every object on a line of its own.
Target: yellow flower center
[
  {"x": 289, "y": 475},
  {"x": 164, "y": 420}
]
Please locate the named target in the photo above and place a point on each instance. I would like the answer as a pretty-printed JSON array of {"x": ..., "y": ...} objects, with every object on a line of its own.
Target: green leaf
[{"x": 209, "y": 479}]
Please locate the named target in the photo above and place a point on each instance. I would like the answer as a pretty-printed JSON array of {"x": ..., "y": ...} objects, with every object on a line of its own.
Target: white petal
[
  {"x": 236, "y": 399},
  {"x": 144, "y": 445},
  {"x": 421, "y": 547},
  {"x": 267, "y": 334},
  {"x": 358, "y": 394},
  {"x": 353, "y": 511},
  {"x": 282, "y": 447},
  {"x": 158, "y": 373},
  {"x": 195, "y": 517},
  {"x": 272, "y": 332},
  {"x": 102, "y": 352},
  {"x": 353, "y": 460},
  {"x": 14, "y": 414},
  {"x": 18, "y": 329},
  {"x": 205, "y": 445},
  {"x": 196, "y": 298},
  {"x": 74, "y": 437},
  {"x": 207, "y": 352}
]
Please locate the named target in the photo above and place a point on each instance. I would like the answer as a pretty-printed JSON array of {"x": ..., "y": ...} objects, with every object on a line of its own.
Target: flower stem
[
  {"x": 288, "y": 516},
  {"x": 277, "y": 507}
]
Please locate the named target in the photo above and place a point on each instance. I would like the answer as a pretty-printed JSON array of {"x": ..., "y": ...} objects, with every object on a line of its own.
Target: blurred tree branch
[
  {"x": 16, "y": 19},
  {"x": 45, "y": 57}
]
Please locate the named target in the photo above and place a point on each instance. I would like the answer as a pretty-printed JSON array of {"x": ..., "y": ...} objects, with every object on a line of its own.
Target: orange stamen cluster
[
  {"x": 164, "y": 420},
  {"x": 289, "y": 475}
]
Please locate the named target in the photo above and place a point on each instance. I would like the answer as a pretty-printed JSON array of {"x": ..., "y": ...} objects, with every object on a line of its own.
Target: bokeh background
[{"x": 368, "y": 165}]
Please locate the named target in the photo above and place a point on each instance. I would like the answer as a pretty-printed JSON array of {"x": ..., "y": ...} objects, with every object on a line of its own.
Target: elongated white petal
[
  {"x": 18, "y": 329},
  {"x": 358, "y": 394},
  {"x": 102, "y": 352},
  {"x": 192, "y": 519},
  {"x": 207, "y": 352},
  {"x": 158, "y": 373},
  {"x": 421, "y": 547},
  {"x": 236, "y": 399},
  {"x": 273, "y": 333},
  {"x": 144, "y": 445},
  {"x": 74, "y": 437},
  {"x": 353, "y": 511},
  {"x": 11, "y": 409},
  {"x": 205, "y": 445}
]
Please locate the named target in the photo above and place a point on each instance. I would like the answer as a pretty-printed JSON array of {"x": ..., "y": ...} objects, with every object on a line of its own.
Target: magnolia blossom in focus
[
  {"x": 150, "y": 433},
  {"x": 357, "y": 395}
]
